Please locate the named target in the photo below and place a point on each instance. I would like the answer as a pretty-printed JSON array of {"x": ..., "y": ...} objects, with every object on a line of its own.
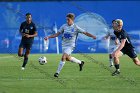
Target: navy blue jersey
[
  {"x": 27, "y": 29},
  {"x": 123, "y": 35}
]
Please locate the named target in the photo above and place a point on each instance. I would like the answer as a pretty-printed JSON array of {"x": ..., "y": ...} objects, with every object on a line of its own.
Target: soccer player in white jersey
[
  {"x": 69, "y": 33},
  {"x": 113, "y": 44}
]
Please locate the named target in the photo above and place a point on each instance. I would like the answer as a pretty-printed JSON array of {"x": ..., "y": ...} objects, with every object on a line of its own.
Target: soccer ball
[{"x": 42, "y": 60}]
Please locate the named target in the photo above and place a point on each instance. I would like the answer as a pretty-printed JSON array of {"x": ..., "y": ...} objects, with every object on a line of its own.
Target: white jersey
[
  {"x": 69, "y": 34},
  {"x": 112, "y": 46},
  {"x": 112, "y": 38}
]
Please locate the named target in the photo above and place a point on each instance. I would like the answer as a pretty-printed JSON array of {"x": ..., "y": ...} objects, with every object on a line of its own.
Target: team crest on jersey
[
  {"x": 72, "y": 30},
  {"x": 120, "y": 36},
  {"x": 31, "y": 27},
  {"x": 26, "y": 31}
]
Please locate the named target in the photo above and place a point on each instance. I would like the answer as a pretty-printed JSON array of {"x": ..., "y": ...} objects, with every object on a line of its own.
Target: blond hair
[
  {"x": 119, "y": 22},
  {"x": 71, "y": 16}
]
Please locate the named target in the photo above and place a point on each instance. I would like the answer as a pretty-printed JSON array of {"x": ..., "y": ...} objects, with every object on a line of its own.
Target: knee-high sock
[
  {"x": 61, "y": 64},
  {"x": 117, "y": 66},
  {"x": 25, "y": 61},
  {"x": 111, "y": 61},
  {"x": 73, "y": 59}
]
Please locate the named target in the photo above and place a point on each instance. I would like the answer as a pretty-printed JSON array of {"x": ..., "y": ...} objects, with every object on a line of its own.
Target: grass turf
[{"x": 95, "y": 77}]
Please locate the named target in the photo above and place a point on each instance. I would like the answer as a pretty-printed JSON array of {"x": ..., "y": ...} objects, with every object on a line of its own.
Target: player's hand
[
  {"x": 94, "y": 37},
  {"x": 105, "y": 38},
  {"x": 46, "y": 38},
  {"x": 114, "y": 54},
  {"x": 27, "y": 35},
  {"x": 23, "y": 34}
]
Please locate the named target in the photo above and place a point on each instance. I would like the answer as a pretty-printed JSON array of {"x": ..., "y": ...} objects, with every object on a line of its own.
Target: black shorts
[
  {"x": 130, "y": 52},
  {"x": 25, "y": 45}
]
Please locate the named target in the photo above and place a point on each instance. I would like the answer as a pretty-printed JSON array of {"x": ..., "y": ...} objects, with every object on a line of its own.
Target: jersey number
[{"x": 67, "y": 36}]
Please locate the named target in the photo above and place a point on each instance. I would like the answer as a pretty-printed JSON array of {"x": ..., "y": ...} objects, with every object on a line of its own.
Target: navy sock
[
  {"x": 25, "y": 61},
  {"x": 117, "y": 66}
]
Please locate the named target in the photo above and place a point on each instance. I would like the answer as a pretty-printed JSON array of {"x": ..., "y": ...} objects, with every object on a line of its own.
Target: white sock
[
  {"x": 111, "y": 61},
  {"x": 61, "y": 64},
  {"x": 73, "y": 59}
]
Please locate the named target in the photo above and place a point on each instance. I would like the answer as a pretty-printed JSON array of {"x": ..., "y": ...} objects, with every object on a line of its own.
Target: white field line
[{"x": 5, "y": 57}]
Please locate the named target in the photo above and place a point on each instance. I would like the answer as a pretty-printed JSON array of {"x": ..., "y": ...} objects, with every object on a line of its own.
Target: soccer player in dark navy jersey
[
  {"x": 125, "y": 46},
  {"x": 28, "y": 32}
]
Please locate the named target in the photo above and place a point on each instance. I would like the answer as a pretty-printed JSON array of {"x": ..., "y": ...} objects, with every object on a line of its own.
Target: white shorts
[
  {"x": 67, "y": 50},
  {"x": 112, "y": 49}
]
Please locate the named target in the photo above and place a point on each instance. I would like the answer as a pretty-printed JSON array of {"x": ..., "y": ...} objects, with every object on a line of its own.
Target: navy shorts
[
  {"x": 130, "y": 52},
  {"x": 25, "y": 45}
]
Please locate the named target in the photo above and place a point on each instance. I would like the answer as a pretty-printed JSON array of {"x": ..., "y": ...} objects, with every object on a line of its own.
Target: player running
[
  {"x": 69, "y": 33},
  {"x": 125, "y": 46},
  {"x": 28, "y": 32},
  {"x": 113, "y": 44}
]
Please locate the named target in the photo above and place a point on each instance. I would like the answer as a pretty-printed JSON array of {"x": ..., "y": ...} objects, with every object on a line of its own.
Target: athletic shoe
[
  {"x": 81, "y": 65},
  {"x": 116, "y": 73},
  {"x": 22, "y": 68},
  {"x": 111, "y": 66},
  {"x": 56, "y": 75}
]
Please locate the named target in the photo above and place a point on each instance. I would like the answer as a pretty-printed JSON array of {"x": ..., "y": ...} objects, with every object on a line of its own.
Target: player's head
[
  {"x": 28, "y": 17},
  {"x": 70, "y": 18},
  {"x": 117, "y": 24}
]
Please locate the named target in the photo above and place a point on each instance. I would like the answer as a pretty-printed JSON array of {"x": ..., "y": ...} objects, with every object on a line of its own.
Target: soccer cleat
[
  {"x": 56, "y": 75},
  {"x": 81, "y": 65},
  {"x": 22, "y": 68},
  {"x": 111, "y": 66},
  {"x": 116, "y": 73}
]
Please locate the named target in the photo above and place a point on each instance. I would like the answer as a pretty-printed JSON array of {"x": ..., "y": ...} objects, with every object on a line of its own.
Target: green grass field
[{"x": 95, "y": 77}]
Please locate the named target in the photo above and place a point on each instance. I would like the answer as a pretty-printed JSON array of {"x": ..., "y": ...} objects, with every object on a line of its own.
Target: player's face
[
  {"x": 69, "y": 21},
  {"x": 115, "y": 26},
  {"x": 29, "y": 18}
]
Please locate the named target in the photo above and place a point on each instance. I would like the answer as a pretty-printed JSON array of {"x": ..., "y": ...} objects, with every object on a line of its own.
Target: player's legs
[
  {"x": 26, "y": 58},
  {"x": 111, "y": 60},
  {"x": 68, "y": 52},
  {"x": 27, "y": 52},
  {"x": 117, "y": 63},
  {"x": 61, "y": 64},
  {"x": 136, "y": 61},
  {"x": 66, "y": 57},
  {"x": 20, "y": 52},
  {"x": 132, "y": 54},
  {"x": 112, "y": 48}
]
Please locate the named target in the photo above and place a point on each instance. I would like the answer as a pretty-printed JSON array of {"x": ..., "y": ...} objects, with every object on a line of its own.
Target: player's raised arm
[
  {"x": 80, "y": 30},
  {"x": 52, "y": 36},
  {"x": 60, "y": 31},
  {"x": 89, "y": 35}
]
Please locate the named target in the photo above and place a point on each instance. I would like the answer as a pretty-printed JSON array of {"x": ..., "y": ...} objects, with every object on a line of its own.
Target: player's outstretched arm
[
  {"x": 89, "y": 35},
  {"x": 52, "y": 36}
]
